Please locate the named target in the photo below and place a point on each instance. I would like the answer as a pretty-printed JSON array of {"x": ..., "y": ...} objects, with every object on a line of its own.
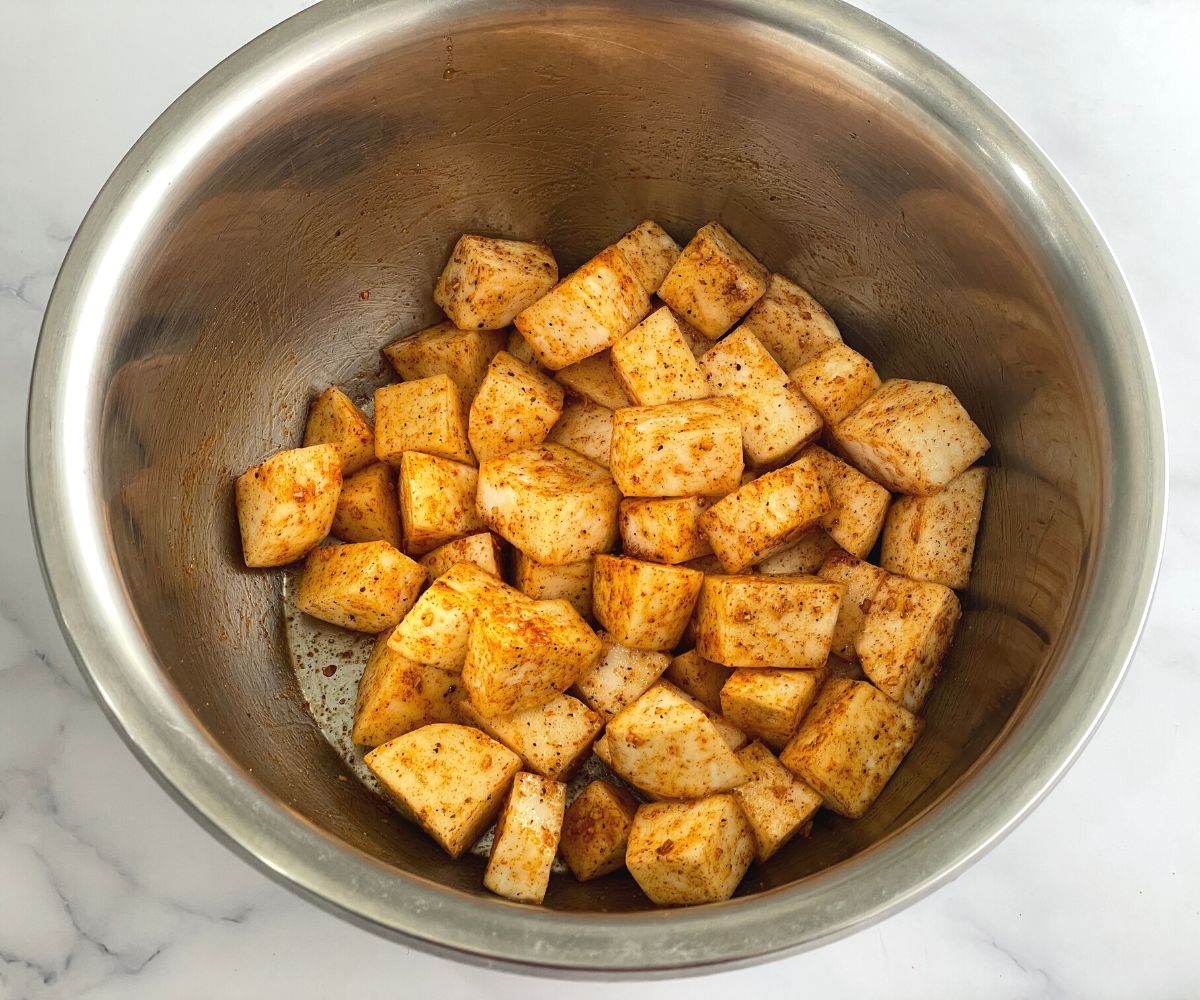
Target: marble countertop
[{"x": 108, "y": 889}]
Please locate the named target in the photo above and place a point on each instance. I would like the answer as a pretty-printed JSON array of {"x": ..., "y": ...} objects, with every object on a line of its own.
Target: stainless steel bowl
[{"x": 287, "y": 216}]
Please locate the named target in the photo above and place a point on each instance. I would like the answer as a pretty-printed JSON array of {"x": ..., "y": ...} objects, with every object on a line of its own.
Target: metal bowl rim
[{"x": 104, "y": 639}]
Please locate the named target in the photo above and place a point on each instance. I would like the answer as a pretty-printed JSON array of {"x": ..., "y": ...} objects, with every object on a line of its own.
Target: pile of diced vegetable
[{"x": 702, "y": 418}]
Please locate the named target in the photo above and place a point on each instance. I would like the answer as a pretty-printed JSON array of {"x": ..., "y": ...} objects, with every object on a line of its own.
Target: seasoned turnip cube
[
  {"x": 933, "y": 538},
  {"x": 738, "y": 364},
  {"x": 515, "y": 408},
  {"x": 424, "y": 415},
  {"x": 553, "y": 739},
  {"x": 767, "y": 621},
  {"x": 596, "y": 830},
  {"x": 585, "y": 427},
  {"x": 654, "y": 364},
  {"x": 765, "y": 516},
  {"x": 714, "y": 281},
  {"x": 527, "y": 835},
  {"x": 444, "y": 349},
  {"x": 286, "y": 505},
  {"x": 451, "y": 779},
  {"x": 776, "y": 420},
  {"x": 600, "y": 749},
  {"x": 620, "y": 677},
  {"x": 911, "y": 437},
  {"x": 397, "y": 695},
  {"x": 835, "y": 382},
  {"x": 436, "y": 630},
  {"x": 682, "y": 853},
  {"x": 777, "y": 804},
  {"x": 650, "y": 252},
  {"x": 677, "y": 449},
  {"x": 669, "y": 748},
  {"x": 776, "y": 423},
  {"x": 857, "y": 504},
  {"x": 862, "y": 582},
  {"x": 586, "y": 312},
  {"x": 802, "y": 557},
  {"x": 664, "y": 531},
  {"x": 550, "y": 502},
  {"x": 437, "y": 501},
  {"x": 643, "y": 605},
  {"x": 483, "y": 549},
  {"x": 696, "y": 341},
  {"x": 365, "y": 586},
  {"x": 594, "y": 379},
  {"x": 519, "y": 348},
  {"x": 769, "y": 704},
  {"x": 733, "y": 737},
  {"x": 571, "y": 581},
  {"x": 790, "y": 323},
  {"x": 368, "y": 508},
  {"x": 334, "y": 420},
  {"x": 487, "y": 281},
  {"x": 698, "y": 677},
  {"x": 521, "y": 653},
  {"x": 850, "y": 744},
  {"x": 907, "y": 632}
]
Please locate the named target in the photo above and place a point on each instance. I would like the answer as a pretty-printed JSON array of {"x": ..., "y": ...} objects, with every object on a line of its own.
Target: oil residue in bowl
[{"x": 328, "y": 662}]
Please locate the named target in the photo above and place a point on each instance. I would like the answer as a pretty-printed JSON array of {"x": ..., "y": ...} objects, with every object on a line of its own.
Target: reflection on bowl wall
[{"x": 289, "y": 216}]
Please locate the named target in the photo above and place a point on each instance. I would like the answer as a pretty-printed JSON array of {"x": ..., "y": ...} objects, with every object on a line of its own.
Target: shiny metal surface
[{"x": 287, "y": 216}]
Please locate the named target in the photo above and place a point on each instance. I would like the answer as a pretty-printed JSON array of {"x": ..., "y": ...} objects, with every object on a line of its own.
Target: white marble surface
[{"x": 107, "y": 889}]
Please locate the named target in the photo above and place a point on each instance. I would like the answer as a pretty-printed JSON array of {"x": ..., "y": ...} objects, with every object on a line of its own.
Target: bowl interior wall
[{"x": 313, "y": 235}]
